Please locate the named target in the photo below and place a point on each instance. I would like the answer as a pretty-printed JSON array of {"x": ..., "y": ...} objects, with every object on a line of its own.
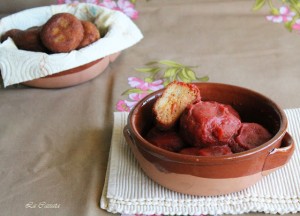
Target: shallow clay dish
[
  {"x": 217, "y": 175},
  {"x": 73, "y": 76}
]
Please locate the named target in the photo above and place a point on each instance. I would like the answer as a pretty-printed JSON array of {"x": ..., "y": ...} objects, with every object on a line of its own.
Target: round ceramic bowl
[
  {"x": 213, "y": 175},
  {"x": 73, "y": 76}
]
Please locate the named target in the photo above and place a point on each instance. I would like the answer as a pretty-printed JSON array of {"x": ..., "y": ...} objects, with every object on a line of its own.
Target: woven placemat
[{"x": 128, "y": 190}]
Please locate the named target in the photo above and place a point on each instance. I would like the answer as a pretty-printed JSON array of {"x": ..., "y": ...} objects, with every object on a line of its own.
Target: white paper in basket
[{"x": 19, "y": 66}]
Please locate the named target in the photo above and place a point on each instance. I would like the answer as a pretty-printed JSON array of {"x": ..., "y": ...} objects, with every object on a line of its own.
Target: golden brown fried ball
[
  {"x": 30, "y": 40},
  {"x": 63, "y": 32},
  {"x": 10, "y": 33},
  {"x": 26, "y": 40},
  {"x": 91, "y": 34}
]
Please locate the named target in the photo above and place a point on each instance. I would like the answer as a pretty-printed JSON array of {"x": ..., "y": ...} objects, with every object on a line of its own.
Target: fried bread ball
[
  {"x": 63, "y": 32},
  {"x": 26, "y": 40},
  {"x": 91, "y": 34},
  {"x": 10, "y": 33}
]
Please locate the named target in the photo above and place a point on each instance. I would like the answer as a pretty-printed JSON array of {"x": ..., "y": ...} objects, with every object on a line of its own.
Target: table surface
[{"x": 54, "y": 144}]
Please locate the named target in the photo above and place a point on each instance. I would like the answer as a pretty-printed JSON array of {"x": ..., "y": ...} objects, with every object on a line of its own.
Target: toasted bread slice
[{"x": 175, "y": 98}]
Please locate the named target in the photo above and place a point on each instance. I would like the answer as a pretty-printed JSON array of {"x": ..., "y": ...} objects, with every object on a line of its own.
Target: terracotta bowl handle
[
  {"x": 279, "y": 156},
  {"x": 128, "y": 137}
]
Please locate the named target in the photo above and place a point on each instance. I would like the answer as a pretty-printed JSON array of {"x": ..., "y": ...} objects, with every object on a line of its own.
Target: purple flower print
[
  {"x": 160, "y": 74},
  {"x": 139, "y": 90},
  {"x": 121, "y": 5},
  {"x": 122, "y": 106},
  {"x": 109, "y": 4},
  {"x": 138, "y": 96},
  {"x": 145, "y": 86},
  {"x": 285, "y": 15},
  {"x": 134, "y": 98},
  {"x": 130, "y": 104},
  {"x": 127, "y": 8},
  {"x": 124, "y": 6},
  {"x": 296, "y": 26}
]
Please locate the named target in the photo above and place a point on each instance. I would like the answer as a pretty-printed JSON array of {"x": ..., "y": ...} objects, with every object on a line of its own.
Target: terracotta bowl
[
  {"x": 198, "y": 175},
  {"x": 73, "y": 76}
]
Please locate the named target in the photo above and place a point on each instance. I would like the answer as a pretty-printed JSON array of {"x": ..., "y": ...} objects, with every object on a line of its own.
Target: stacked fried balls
[{"x": 62, "y": 33}]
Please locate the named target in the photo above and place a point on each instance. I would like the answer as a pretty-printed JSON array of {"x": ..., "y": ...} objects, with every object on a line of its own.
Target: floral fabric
[{"x": 125, "y": 6}]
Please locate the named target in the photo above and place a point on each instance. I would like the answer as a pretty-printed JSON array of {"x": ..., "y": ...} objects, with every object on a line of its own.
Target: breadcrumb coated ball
[
  {"x": 63, "y": 32},
  {"x": 91, "y": 34},
  {"x": 28, "y": 39}
]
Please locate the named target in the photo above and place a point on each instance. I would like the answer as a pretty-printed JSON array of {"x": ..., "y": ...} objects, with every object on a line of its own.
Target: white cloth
[
  {"x": 19, "y": 65},
  {"x": 128, "y": 190}
]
